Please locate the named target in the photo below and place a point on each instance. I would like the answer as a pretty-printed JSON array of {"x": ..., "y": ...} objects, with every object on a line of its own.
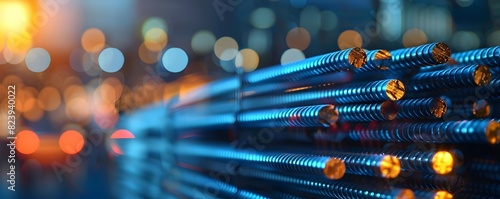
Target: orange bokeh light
[
  {"x": 27, "y": 142},
  {"x": 122, "y": 134},
  {"x": 71, "y": 142},
  {"x": 93, "y": 40}
]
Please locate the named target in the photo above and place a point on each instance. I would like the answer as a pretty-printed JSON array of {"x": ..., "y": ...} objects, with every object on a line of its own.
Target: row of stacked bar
[{"x": 418, "y": 122}]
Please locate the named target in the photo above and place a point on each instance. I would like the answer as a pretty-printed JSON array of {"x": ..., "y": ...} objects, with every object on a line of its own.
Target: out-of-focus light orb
[
  {"x": 49, "y": 98},
  {"x": 292, "y": 55},
  {"x": 349, "y": 39},
  {"x": 329, "y": 20},
  {"x": 260, "y": 40},
  {"x": 262, "y": 18},
  {"x": 298, "y": 38},
  {"x": 155, "y": 39},
  {"x": 226, "y": 48},
  {"x": 464, "y": 40},
  {"x": 203, "y": 42},
  {"x": 494, "y": 38},
  {"x": 175, "y": 60},
  {"x": 37, "y": 60},
  {"x": 27, "y": 142},
  {"x": 153, "y": 22},
  {"x": 93, "y": 40},
  {"x": 111, "y": 60},
  {"x": 148, "y": 56},
  {"x": 248, "y": 59},
  {"x": 35, "y": 113},
  {"x": 71, "y": 142},
  {"x": 464, "y": 3},
  {"x": 90, "y": 64},
  {"x": 13, "y": 56},
  {"x": 414, "y": 37},
  {"x": 122, "y": 134},
  {"x": 298, "y": 3},
  {"x": 310, "y": 19}
]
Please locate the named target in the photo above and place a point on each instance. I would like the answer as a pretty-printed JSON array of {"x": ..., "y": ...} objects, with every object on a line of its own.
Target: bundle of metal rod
[
  {"x": 466, "y": 108},
  {"x": 348, "y": 59},
  {"x": 324, "y": 166},
  {"x": 418, "y": 56},
  {"x": 424, "y": 108},
  {"x": 453, "y": 78},
  {"x": 439, "y": 162},
  {"x": 305, "y": 116},
  {"x": 384, "y": 111},
  {"x": 465, "y": 131},
  {"x": 326, "y": 188}
]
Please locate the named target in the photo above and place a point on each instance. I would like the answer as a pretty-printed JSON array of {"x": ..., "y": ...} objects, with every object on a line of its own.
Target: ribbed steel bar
[
  {"x": 391, "y": 89},
  {"x": 305, "y": 116},
  {"x": 309, "y": 83},
  {"x": 418, "y": 56},
  {"x": 387, "y": 110},
  {"x": 453, "y": 78},
  {"x": 465, "y": 131},
  {"x": 485, "y": 56},
  {"x": 423, "y": 108},
  {"x": 348, "y": 59},
  {"x": 332, "y": 168},
  {"x": 327, "y": 188}
]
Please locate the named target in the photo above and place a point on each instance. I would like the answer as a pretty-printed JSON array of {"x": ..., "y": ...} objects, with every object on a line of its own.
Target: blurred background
[{"x": 79, "y": 66}]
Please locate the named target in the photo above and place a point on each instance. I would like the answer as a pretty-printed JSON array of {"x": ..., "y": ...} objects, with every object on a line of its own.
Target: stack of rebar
[{"x": 418, "y": 122}]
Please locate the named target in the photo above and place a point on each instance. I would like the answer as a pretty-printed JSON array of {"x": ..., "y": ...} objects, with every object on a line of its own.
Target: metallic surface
[
  {"x": 418, "y": 56},
  {"x": 466, "y": 131},
  {"x": 424, "y": 108},
  {"x": 384, "y": 111}
]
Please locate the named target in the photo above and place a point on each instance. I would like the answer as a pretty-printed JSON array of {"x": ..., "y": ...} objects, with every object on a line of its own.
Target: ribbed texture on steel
[
  {"x": 296, "y": 163},
  {"x": 326, "y": 188},
  {"x": 465, "y": 131},
  {"x": 368, "y": 112},
  {"x": 424, "y": 108},
  {"x": 332, "y": 62},
  {"x": 358, "y": 164},
  {"x": 306, "y": 164},
  {"x": 486, "y": 56},
  {"x": 418, "y": 56},
  {"x": 453, "y": 78},
  {"x": 352, "y": 93},
  {"x": 375, "y": 60},
  {"x": 306, "y": 116}
]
